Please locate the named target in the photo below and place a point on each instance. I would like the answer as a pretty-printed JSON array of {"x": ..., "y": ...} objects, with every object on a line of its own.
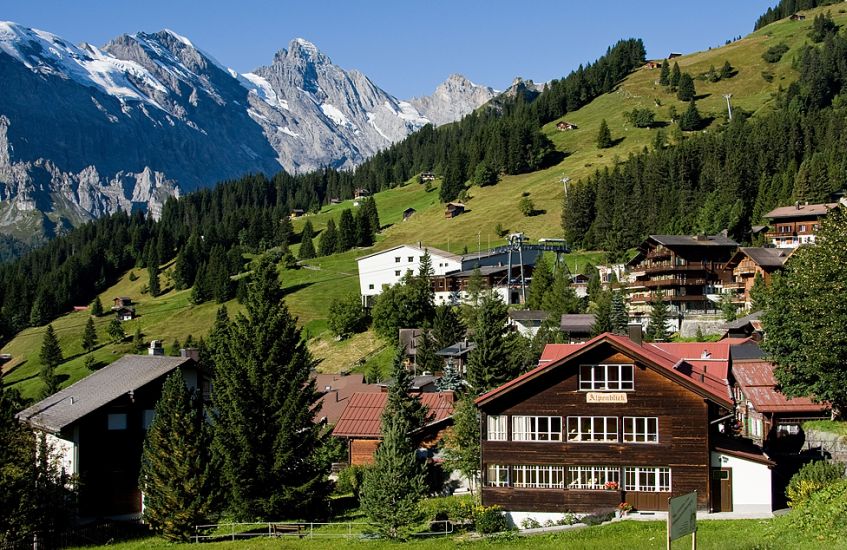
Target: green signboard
[{"x": 682, "y": 515}]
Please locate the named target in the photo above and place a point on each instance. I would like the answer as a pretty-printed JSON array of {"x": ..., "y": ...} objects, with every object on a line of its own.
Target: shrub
[
  {"x": 133, "y": 276},
  {"x": 530, "y": 523},
  {"x": 500, "y": 230},
  {"x": 568, "y": 519},
  {"x": 490, "y": 519},
  {"x": 526, "y": 206},
  {"x": 822, "y": 517},
  {"x": 641, "y": 118},
  {"x": 350, "y": 480},
  {"x": 811, "y": 478},
  {"x": 598, "y": 517},
  {"x": 775, "y": 53}
]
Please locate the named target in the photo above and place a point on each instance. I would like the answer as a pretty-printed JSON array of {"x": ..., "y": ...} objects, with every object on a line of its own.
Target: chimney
[
  {"x": 634, "y": 333},
  {"x": 797, "y": 205},
  {"x": 190, "y": 353},
  {"x": 156, "y": 348}
]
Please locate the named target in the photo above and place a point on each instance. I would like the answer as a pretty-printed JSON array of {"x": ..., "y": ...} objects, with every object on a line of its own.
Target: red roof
[
  {"x": 361, "y": 417},
  {"x": 759, "y": 386},
  {"x": 337, "y": 391},
  {"x": 674, "y": 367},
  {"x": 698, "y": 350}
]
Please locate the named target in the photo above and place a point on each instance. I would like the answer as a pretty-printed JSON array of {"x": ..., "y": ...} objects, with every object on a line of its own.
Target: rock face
[
  {"x": 87, "y": 131},
  {"x": 453, "y": 99}
]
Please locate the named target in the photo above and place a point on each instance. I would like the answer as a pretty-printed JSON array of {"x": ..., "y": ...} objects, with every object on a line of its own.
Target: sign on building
[{"x": 682, "y": 518}]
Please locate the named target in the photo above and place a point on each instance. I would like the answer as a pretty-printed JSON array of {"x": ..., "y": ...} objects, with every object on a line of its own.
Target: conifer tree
[
  {"x": 542, "y": 280},
  {"x": 447, "y": 328},
  {"x": 115, "y": 330},
  {"x": 664, "y": 75},
  {"x": 175, "y": 349},
  {"x": 604, "y": 136},
  {"x": 373, "y": 214},
  {"x": 488, "y": 362},
  {"x": 265, "y": 435},
  {"x": 50, "y": 357},
  {"x": 97, "y": 307},
  {"x": 461, "y": 442},
  {"x": 657, "y": 330},
  {"x": 307, "y": 247},
  {"x": 728, "y": 309},
  {"x": 676, "y": 75},
  {"x": 451, "y": 378},
  {"x": 328, "y": 240},
  {"x": 758, "y": 293},
  {"x": 400, "y": 401},
  {"x": 138, "y": 339},
  {"x": 346, "y": 231},
  {"x": 561, "y": 297},
  {"x": 690, "y": 119},
  {"x": 619, "y": 315},
  {"x": 685, "y": 89},
  {"x": 425, "y": 357},
  {"x": 89, "y": 336},
  {"x": 175, "y": 475},
  {"x": 726, "y": 70},
  {"x": 200, "y": 292},
  {"x": 364, "y": 232},
  {"x": 153, "y": 272},
  {"x": 603, "y": 314}
]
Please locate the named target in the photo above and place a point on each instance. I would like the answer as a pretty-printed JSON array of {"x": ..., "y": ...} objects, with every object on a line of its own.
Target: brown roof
[
  {"x": 577, "y": 323},
  {"x": 759, "y": 386},
  {"x": 801, "y": 211},
  {"x": 771, "y": 258},
  {"x": 341, "y": 388},
  {"x": 361, "y": 417}
]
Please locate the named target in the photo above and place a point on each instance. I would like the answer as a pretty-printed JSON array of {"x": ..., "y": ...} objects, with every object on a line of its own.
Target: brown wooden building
[
  {"x": 748, "y": 262},
  {"x": 605, "y": 422},
  {"x": 453, "y": 209},
  {"x": 686, "y": 269},
  {"x": 791, "y": 226}
]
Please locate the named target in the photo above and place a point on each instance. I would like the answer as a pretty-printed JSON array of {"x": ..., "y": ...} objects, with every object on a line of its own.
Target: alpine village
[{"x": 534, "y": 324}]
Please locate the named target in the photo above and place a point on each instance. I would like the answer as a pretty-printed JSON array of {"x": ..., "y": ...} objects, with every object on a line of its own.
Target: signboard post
[{"x": 682, "y": 518}]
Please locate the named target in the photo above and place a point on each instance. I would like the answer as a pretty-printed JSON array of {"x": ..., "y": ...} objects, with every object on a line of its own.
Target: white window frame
[
  {"x": 596, "y": 377},
  {"x": 494, "y": 475},
  {"x": 634, "y": 479},
  {"x": 526, "y": 428},
  {"x": 497, "y": 427},
  {"x": 592, "y": 478},
  {"x": 641, "y": 429},
  {"x": 538, "y": 477},
  {"x": 592, "y": 429}
]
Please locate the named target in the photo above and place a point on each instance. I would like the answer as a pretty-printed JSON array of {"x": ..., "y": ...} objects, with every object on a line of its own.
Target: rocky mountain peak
[{"x": 454, "y": 98}]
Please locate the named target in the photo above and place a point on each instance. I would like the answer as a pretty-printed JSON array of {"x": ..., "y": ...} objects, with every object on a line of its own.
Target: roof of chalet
[
  {"x": 337, "y": 391},
  {"x": 432, "y": 251},
  {"x": 764, "y": 257},
  {"x": 695, "y": 240},
  {"x": 760, "y": 388},
  {"x": 128, "y": 373},
  {"x": 689, "y": 375},
  {"x": 746, "y": 352},
  {"x": 361, "y": 417},
  {"x": 577, "y": 323},
  {"x": 528, "y": 314},
  {"x": 741, "y": 448},
  {"x": 741, "y": 321},
  {"x": 457, "y": 350},
  {"x": 801, "y": 210}
]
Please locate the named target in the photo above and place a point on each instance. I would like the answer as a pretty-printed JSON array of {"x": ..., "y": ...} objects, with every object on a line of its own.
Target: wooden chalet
[
  {"x": 296, "y": 213},
  {"x": 361, "y": 193},
  {"x": 408, "y": 213},
  {"x": 98, "y": 425},
  {"x": 564, "y": 126},
  {"x": 453, "y": 209},
  {"x": 125, "y": 313},
  {"x": 577, "y": 327},
  {"x": 458, "y": 354},
  {"x": 686, "y": 269},
  {"x": 336, "y": 391},
  {"x": 791, "y": 226},
  {"x": 673, "y": 55},
  {"x": 748, "y": 262},
  {"x": 614, "y": 420},
  {"x": 121, "y": 301},
  {"x": 797, "y": 17},
  {"x": 650, "y": 65},
  {"x": 427, "y": 176},
  {"x": 360, "y": 423}
]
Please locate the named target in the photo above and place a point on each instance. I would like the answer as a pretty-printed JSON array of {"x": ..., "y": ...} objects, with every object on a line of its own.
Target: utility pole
[{"x": 727, "y": 97}]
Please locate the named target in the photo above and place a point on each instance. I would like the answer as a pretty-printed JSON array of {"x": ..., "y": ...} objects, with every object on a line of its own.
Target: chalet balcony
[
  {"x": 670, "y": 267},
  {"x": 734, "y": 286},
  {"x": 647, "y": 297},
  {"x": 744, "y": 270},
  {"x": 659, "y": 253},
  {"x": 668, "y": 283}
]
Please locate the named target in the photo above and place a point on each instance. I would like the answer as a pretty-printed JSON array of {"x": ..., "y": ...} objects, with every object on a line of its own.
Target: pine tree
[
  {"x": 758, "y": 293},
  {"x": 175, "y": 475},
  {"x": 175, "y": 349},
  {"x": 461, "y": 442},
  {"x": 264, "y": 431},
  {"x": 728, "y": 309},
  {"x": 542, "y": 280},
  {"x": 685, "y": 89},
  {"x": 400, "y": 402},
  {"x": 425, "y": 358},
  {"x": 115, "y": 330},
  {"x": 364, "y": 232},
  {"x": 451, "y": 378},
  {"x": 657, "y": 330},
  {"x": 676, "y": 75},
  {"x": 89, "y": 336},
  {"x": 138, "y": 339},
  {"x": 200, "y": 292},
  {"x": 328, "y": 240},
  {"x": 619, "y": 315},
  {"x": 664, "y": 75},
  {"x": 307, "y": 247},
  {"x": 153, "y": 272},
  {"x": 97, "y": 307},
  {"x": 488, "y": 362},
  {"x": 561, "y": 297},
  {"x": 447, "y": 328},
  {"x": 50, "y": 357},
  {"x": 690, "y": 119},
  {"x": 726, "y": 71},
  {"x": 604, "y": 136},
  {"x": 373, "y": 214},
  {"x": 346, "y": 231},
  {"x": 603, "y": 314}
]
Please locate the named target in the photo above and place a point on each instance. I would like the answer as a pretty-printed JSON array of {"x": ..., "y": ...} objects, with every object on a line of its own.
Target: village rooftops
[
  {"x": 577, "y": 323},
  {"x": 127, "y": 374},
  {"x": 770, "y": 258},
  {"x": 528, "y": 315},
  {"x": 337, "y": 391},
  {"x": 362, "y": 417},
  {"x": 759, "y": 385},
  {"x": 693, "y": 240},
  {"x": 800, "y": 211}
]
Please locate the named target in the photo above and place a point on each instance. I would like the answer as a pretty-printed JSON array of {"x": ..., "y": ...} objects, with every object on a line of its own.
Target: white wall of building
[
  {"x": 388, "y": 267},
  {"x": 456, "y": 298},
  {"x": 751, "y": 483},
  {"x": 65, "y": 452}
]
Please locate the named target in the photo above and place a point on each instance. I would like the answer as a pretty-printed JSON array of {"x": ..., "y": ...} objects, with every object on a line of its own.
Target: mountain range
[{"x": 86, "y": 131}]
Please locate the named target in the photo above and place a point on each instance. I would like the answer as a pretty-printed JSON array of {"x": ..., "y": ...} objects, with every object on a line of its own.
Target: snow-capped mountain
[{"x": 86, "y": 131}]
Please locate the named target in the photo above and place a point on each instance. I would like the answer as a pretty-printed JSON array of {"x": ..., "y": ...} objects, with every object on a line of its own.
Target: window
[
  {"x": 540, "y": 477},
  {"x": 785, "y": 229},
  {"x": 606, "y": 377},
  {"x": 593, "y": 477},
  {"x": 396, "y": 259},
  {"x": 651, "y": 480},
  {"x": 497, "y": 427},
  {"x": 788, "y": 429},
  {"x": 497, "y": 476},
  {"x": 802, "y": 228},
  {"x": 640, "y": 429},
  {"x": 147, "y": 418},
  {"x": 756, "y": 427},
  {"x": 370, "y": 286},
  {"x": 397, "y": 273},
  {"x": 536, "y": 428},
  {"x": 411, "y": 259},
  {"x": 116, "y": 421},
  {"x": 599, "y": 429}
]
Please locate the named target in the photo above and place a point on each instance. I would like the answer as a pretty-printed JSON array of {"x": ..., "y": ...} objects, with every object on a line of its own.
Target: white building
[{"x": 387, "y": 267}]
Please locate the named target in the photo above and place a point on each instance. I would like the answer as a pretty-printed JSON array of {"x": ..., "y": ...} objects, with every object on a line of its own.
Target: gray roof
[
  {"x": 457, "y": 350},
  {"x": 764, "y": 257},
  {"x": 742, "y": 321},
  {"x": 801, "y": 210},
  {"x": 485, "y": 270},
  {"x": 528, "y": 314},
  {"x": 130, "y": 372},
  {"x": 746, "y": 351},
  {"x": 688, "y": 240},
  {"x": 577, "y": 323}
]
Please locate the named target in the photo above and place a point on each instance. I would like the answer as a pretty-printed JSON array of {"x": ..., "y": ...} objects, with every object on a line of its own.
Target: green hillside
[{"x": 311, "y": 289}]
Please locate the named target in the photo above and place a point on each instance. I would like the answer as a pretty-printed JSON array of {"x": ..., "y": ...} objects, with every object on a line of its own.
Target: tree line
[{"x": 786, "y": 8}]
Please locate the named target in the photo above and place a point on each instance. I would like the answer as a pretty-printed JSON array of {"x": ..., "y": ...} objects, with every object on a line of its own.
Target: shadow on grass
[{"x": 295, "y": 288}]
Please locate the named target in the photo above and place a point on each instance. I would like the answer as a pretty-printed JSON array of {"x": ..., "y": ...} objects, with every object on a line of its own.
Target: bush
[
  {"x": 775, "y": 53},
  {"x": 526, "y": 206},
  {"x": 490, "y": 519},
  {"x": 811, "y": 478},
  {"x": 346, "y": 316},
  {"x": 641, "y": 118},
  {"x": 530, "y": 523},
  {"x": 822, "y": 517},
  {"x": 350, "y": 480},
  {"x": 598, "y": 517},
  {"x": 455, "y": 509}
]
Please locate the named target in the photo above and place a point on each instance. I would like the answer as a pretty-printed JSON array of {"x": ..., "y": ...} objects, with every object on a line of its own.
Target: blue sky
[{"x": 408, "y": 48}]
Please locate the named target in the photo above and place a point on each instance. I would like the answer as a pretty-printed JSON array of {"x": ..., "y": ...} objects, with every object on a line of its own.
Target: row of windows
[
  {"x": 580, "y": 429},
  {"x": 606, "y": 377},
  {"x": 651, "y": 479},
  {"x": 397, "y": 259}
]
